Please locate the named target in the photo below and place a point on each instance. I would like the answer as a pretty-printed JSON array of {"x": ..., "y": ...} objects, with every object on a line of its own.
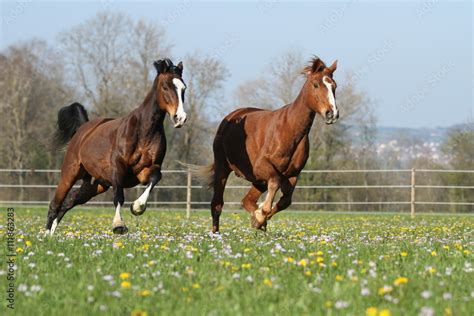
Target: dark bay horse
[
  {"x": 119, "y": 152},
  {"x": 270, "y": 148}
]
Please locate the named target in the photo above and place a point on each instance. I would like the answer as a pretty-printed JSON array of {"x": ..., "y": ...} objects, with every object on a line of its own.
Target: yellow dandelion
[
  {"x": 328, "y": 304},
  {"x": 339, "y": 278},
  {"x": 385, "y": 312},
  {"x": 403, "y": 253},
  {"x": 308, "y": 273},
  {"x": 246, "y": 265},
  {"x": 28, "y": 243},
  {"x": 448, "y": 311},
  {"x": 144, "y": 293},
  {"x": 290, "y": 260},
  {"x": 19, "y": 250},
  {"x": 247, "y": 250},
  {"x": 371, "y": 311},
  {"x": 400, "y": 280},
  {"x": 385, "y": 290},
  {"x": 431, "y": 270},
  {"x": 124, "y": 275},
  {"x": 334, "y": 264},
  {"x": 139, "y": 312},
  {"x": 126, "y": 285},
  {"x": 267, "y": 282},
  {"x": 433, "y": 253},
  {"x": 303, "y": 262},
  {"x": 466, "y": 252},
  {"x": 446, "y": 247},
  {"x": 196, "y": 286}
]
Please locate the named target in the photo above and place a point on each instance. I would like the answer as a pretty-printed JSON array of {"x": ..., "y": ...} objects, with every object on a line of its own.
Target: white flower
[
  {"x": 90, "y": 287},
  {"x": 426, "y": 311},
  {"x": 249, "y": 279},
  {"x": 341, "y": 304},
  {"x": 447, "y": 296},
  {"x": 426, "y": 294},
  {"x": 35, "y": 288},
  {"x": 130, "y": 255},
  {"x": 364, "y": 291},
  {"x": 108, "y": 277},
  {"x": 22, "y": 288}
]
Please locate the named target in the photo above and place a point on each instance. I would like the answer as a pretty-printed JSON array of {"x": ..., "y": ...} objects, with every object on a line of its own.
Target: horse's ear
[
  {"x": 317, "y": 65},
  {"x": 162, "y": 66},
  {"x": 180, "y": 67},
  {"x": 333, "y": 67}
]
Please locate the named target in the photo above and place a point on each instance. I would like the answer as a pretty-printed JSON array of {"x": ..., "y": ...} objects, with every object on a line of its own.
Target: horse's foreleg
[
  {"x": 259, "y": 217},
  {"x": 287, "y": 189},
  {"x": 249, "y": 202},
  {"x": 138, "y": 207}
]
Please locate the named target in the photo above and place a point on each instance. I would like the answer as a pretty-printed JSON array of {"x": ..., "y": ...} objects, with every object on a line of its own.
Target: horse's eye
[
  {"x": 165, "y": 87},
  {"x": 316, "y": 85}
]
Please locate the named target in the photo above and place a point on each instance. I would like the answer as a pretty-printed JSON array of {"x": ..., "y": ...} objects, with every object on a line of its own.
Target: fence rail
[{"x": 189, "y": 187}]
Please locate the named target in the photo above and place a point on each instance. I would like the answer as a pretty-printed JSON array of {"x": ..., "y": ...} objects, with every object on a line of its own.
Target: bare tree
[
  {"x": 204, "y": 77},
  {"x": 111, "y": 58},
  {"x": 280, "y": 84},
  {"x": 31, "y": 88}
]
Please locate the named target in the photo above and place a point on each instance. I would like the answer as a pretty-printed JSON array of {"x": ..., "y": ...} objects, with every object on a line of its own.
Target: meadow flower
[
  {"x": 196, "y": 286},
  {"x": 28, "y": 243},
  {"x": 246, "y": 265},
  {"x": 400, "y": 280},
  {"x": 303, "y": 263},
  {"x": 126, "y": 284},
  {"x": 290, "y": 260},
  {"x": 364, "y": 291},
  {"x": 385, "y": 312},
  {"x": 426, "y": 294},
  {"x": 385, "y": 290},
  {"x": 426, "y": 311},
  {"x": 433, "y": 253},
  {"x": 403, "y": 253},
  {"x": 447, "y": 296},
  {"x": 341, "y": 304},
  {"x": 124, "y": 275},
  {"x": 19, "y": 250},
  {"x": 144, "y": 293},
  {"x": 139, "y": 312},
  {"x": 371, "y": 311},
  {"x": 267, "y": 282},
  {"x": 339, "y": 278}
]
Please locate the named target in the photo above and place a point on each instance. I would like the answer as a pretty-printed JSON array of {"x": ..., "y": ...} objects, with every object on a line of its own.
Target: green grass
[{"x": 306, "y": 264}]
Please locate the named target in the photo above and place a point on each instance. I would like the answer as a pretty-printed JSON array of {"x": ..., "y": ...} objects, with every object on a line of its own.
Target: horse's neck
[
  {"x": 151, "y": 116},
  {"x": 300, "y": 117}
]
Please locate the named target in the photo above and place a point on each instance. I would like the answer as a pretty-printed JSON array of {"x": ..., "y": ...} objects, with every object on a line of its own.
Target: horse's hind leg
[
  {"x": 221, "y": 173},
  {"x": 69, "y": 176},
  {"x": 80, "y": 196}
]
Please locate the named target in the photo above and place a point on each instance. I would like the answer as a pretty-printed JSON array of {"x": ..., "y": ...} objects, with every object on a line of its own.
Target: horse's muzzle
[
  {"x": 331, "y": 118},
  {"x": 179, "y": 120}
]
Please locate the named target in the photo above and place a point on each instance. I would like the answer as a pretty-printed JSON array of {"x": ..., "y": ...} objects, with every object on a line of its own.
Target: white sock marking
[
  {"x": 53, "y": 227},
  {"x": 118, "y": 214}
]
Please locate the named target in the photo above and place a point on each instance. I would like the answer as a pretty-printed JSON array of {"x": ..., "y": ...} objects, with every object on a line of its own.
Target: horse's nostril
[{"x": 329, "y": 114}]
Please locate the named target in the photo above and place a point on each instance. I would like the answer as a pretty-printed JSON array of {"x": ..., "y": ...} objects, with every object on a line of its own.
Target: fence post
[
  {"x": 188, "y": 195},
  {"x": 412, "y": 193}
]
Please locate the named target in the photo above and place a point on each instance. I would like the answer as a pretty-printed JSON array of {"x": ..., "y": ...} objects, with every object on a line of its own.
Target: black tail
[{"x": 69, "y": 119}]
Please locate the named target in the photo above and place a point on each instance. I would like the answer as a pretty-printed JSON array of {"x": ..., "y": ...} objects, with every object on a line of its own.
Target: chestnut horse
[
  {"x": 119, "y": 152},
  {"x": 270, "y": 148}
]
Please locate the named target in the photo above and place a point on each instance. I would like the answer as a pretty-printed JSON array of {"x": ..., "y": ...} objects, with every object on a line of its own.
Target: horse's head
[
  {"x": 170, "y": 90},
  {"x": 321, "y": 88}
]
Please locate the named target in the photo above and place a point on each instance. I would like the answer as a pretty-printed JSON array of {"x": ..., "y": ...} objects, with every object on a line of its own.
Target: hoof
[
  {"x": 262, "y": 225},
  {"x": 137, "y": 209},
  {"x": 119, "y": 228}
]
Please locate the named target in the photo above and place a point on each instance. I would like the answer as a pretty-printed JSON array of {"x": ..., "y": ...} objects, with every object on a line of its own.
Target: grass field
[{"x": 306, "y": 264}]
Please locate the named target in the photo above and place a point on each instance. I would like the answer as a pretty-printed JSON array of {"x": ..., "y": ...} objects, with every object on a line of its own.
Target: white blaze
[
  {"x": 180, "y": 114},
  {"x": 331, "y": 98}
]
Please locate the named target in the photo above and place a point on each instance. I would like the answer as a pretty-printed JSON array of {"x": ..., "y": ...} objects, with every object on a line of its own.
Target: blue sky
[{"x": 413, "y": 58}]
